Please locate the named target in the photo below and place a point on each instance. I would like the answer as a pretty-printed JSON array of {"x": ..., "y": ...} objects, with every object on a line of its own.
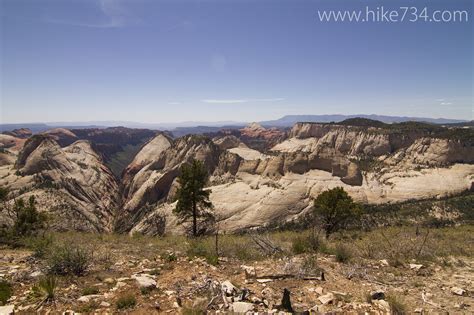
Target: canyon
[{"x": 125, "y": 180}]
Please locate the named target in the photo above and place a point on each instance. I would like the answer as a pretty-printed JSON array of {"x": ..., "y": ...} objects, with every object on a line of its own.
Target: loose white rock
[
  {"x": 7, "y": 309},
  {"x": 457, "y": 291},
  {"x": 228, "y": 288},
  {"x": 241, "y": 307},
  {"x": 36, "y": 274},
  {"x": 415, "y": 267},
  {"x": 264, "y": 280},
  {"x": 145, "y": 281},
  {"x": 327, "y": 298}
]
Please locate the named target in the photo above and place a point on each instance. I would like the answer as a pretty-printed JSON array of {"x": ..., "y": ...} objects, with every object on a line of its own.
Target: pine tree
[
  {"x": 335, "y": 209},
  {"x": 193, "y": 199}
]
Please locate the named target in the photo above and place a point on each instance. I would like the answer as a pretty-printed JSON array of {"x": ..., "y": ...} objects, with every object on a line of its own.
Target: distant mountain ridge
[
  {"x": 290, "y": 120},
  {"x": 39, "y": 127},
  {"x": 187, "y": 127}
]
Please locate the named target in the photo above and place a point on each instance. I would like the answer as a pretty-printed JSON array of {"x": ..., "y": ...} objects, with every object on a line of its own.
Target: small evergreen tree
[
  {"x": 334, "y": 208},
  {"x": 3, "y": 194},
  {"x": 28, "y": 220},
  {"x": 193, "y": 199}
]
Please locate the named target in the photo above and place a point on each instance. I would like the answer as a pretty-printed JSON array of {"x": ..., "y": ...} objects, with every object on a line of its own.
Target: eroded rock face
[
  {"x": 255, "y": 130},
  {"x": 341, "y": 139},
  {"x": 70, "y": 183},
  {"x": 437, "y": 152},
  {"x": 153, "y": 182},
  {"x": 227, "y": 142},
  {"x": 145, "y": 156},
  {"x": 22, "y": 133},
  {"x": 62, "y": 136},
  {"x": 9, "y": 147}
]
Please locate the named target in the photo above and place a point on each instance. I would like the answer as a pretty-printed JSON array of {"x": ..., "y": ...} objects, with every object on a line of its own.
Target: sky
[{"x": 228, "y": 60}]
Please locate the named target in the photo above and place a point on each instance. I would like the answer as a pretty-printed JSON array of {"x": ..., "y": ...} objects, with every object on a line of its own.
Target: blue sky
[{"x": 241, "y": 60}]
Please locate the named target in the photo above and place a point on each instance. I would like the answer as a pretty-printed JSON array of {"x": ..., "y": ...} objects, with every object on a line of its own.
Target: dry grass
[
  {"x": 404, "y": 243},
  {"x": 396, "y": 244}
]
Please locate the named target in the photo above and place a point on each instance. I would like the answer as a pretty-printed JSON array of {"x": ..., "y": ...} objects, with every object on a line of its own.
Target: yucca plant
[{"x": 48, "y": 286}]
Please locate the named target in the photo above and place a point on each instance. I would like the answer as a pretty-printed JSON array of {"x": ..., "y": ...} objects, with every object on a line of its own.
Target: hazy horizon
[
  {"x": 167, "y": 62},
  {"x": 218, "y": 123}
]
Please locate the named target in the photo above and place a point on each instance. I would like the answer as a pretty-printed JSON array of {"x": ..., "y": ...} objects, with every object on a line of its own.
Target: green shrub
[
  {"x": 306, "y": 243},
  {"x": 146, "y": 290},
  {"x": 3, "y": 194},
  {"x": 397, "y": 307},
  {"x": 155, "y": 272},
  {"x": 192, "y": 311},
  {"x": 368, "y": 297},
  {"x": 90, "y": 291},
  {"x": 170, "y": 257},
  {"x": 232, "y": 246},
  {"x": 203, "y": 248},
  {"x": 40, "y": 245},
  {"x": 48, "y": 286},
  {"x": 5, "y": 291},
  {"x": 28, "y": 220},
  {"x": 212, "y": 259},
  {"x": 69, "y": 260},
  {"x": 126, "y": 301},
  {"x": 240, "y": 247},
  {"x": 343, "y": 253},
  {"x": 88, "y": 308},
  {"x": 299, "y": 245}
]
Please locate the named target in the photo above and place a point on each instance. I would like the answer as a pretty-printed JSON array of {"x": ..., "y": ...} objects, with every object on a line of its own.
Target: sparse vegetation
[
  {"x": 170, "y": 257},
  {"x": 202, "y": 248},
  {"x": 177, "y": 254},
  {"x": 27, "y": 221},
  {"x": 343, "y": 253},
  {"x": 193, "y": 310},
  {"x": 3, "y": 195},
  {"x": 40, "y": 245},
  {"x": 241, "y": 247},
  {"x": 48, "y": 285},
  {"x": 88, "y": 308},
  {"x": 147, "y": 290},
  {"x": 5, "y": 291},
  {"x": 90, "y": 291},
  {"x": 307, "y": 242},
  {"x": 397, "y": 306},
  {"x": 69, "y": 260},
  {"x": 126, "y": 301}
]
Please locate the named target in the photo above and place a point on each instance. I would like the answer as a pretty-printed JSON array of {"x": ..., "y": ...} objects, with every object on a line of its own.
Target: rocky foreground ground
[{"x": 151, "y": 276}]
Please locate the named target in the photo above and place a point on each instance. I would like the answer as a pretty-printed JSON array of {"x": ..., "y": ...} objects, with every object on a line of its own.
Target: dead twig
[
  {"x": 423, "y": 244},
  {"x": 266, "y": 245}
]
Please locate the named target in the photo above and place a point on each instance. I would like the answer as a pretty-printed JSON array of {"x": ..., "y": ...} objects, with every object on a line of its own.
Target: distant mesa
[
  {"x": 22, "y": 133},
  {"x": 62, "y": 136}
]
